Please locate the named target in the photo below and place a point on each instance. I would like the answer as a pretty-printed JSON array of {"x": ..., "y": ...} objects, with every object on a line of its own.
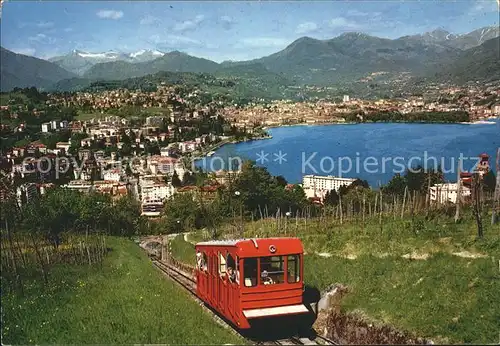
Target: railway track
[{"x": 189, "y": 283}]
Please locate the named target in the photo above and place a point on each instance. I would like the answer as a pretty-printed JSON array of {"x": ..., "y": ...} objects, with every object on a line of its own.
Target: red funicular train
[{"x": 251, "y": 278}]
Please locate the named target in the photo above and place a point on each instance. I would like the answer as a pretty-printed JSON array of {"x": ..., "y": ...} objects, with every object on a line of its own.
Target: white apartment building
[
  {"x": 152, "y": 208},
  {"x": 26, "y": 193},
  {"x": 63, "y": 146},
  {"x": 79, "y": 185},
  {"x": 447, "y": 193},
  {"x": 165, "y": 165},
  {"x": 54, "y": 124},
  {"x": 46, "y": 127},
  {"x": 153, "y": 191},
  {"x": 112, "y": 175},
  {"x": 319, "y": 185}
]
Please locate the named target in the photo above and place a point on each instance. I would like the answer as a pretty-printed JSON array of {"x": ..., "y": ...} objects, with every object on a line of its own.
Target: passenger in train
[
  {"x": 199, "y": 259},
  {"x": 231, "y": 274},
  {"x": 266, "y": 279}
]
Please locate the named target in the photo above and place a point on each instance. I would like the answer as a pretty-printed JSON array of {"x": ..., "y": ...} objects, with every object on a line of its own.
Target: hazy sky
[{"x": 222, "y": 30}]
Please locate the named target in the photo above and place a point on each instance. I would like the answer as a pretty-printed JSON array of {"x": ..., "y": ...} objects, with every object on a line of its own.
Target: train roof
[
  {"x": 234, "y": 242},
  {"x": 259, "y": 246}
]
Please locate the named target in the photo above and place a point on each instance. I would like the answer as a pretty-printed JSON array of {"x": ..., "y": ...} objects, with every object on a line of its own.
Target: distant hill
[
  {"x": 480, "y": 63},
  {"x": 22, "y": 71},
  {"x": 79, "y": 61},
  {"x": 173, "y": 62},
  {"x": 253, "y": 71},
  {"x": 444, "y": 38},
  {"x": 348, "y": 58},
  {"x": 352, "y": 56}
]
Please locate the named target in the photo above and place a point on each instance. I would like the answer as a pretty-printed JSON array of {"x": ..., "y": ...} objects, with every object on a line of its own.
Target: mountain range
[
  {"x": 79, "y": 61},
  {"x": 22, "y": 71},
  {"x": 345, "y": 58}
]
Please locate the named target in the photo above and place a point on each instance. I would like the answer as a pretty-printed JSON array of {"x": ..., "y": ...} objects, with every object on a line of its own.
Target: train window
[
  {"x": 293, "y": 269},
  {"x": 201, "y": 260},
  {"x": 222, "y": 264},
  {"x": 231, "y": 268},
  {"x": 204, "y": 262},
  {"x": 272, "y": 270},
  {"x": 250, "y": 271},
  {"x": 237, "y": 270}
]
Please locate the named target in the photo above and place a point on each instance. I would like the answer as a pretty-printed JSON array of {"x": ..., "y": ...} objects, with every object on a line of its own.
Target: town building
[
  {"x": 447, "y": 193},
  {"x": 26, "y": 193},
  {"x": 319, "y": 185},
  {"x": 46, "y": 127}
]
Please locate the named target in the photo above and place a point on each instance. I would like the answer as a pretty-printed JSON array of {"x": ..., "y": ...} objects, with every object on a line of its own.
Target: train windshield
[
  {"x": 250, "y": 271},
  {"x": 271, "y": 270},
  {"x": 293, "y": 269}
]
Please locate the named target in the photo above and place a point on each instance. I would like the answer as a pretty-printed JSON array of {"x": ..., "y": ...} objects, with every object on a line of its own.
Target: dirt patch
[
  {"x": 467, "y": 254},
  {"x": 329, "y": 302},
  {"x": 416, "y": 256},
  {"x": 354, "y": 329}
]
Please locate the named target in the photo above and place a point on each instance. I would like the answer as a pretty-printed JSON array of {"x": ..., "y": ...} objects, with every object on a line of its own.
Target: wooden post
[
  {"x": 394, "y": 206},
  {"x": 428, "y": 196},
  {"x": 496, "y": 197},
  {"x": 340, "y": 206},
  {"x": 381, "y": 206},
  {"x": 459, "y": 192},
  {"x": 476, "y": 185},
  {"x": 404, "y": 201},
  {"x": 364, "y": 208}
]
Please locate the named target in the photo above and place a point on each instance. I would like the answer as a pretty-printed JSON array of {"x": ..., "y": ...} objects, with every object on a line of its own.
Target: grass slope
[
  {"x": 128, "y": 301},
  {"x": 444, "y": 296}
]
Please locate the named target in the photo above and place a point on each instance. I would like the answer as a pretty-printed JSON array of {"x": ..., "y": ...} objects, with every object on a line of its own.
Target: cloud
[
  {"x": 174, "y": 41},
  {"x": 45, "y": 25},
  {"x": 42, "y": 38},
  {"x": 261, "y": 42},
  {"x": 306, "y": 27},
  {"x": 188, "y": 25},
  {"x": 482, "y": 7},
  {"x": 341, "y": 23},
  {"x": 24, "y": 51},
  {"x": 68, "y": 29},
  {"x": 149, "y": 20},
  {"x": 227, "y": 22},
  {"x": 356, "y": 13},
  {"x": 109, "y": 14}
]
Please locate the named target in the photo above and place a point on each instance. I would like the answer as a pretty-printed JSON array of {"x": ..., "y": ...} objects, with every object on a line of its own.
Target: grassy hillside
[
  {"x": 22, "y": 71},
  {"x": 475, "y": 64},
  {"x": 429, "y": 276},
  {"x": 127, "y": 301}
]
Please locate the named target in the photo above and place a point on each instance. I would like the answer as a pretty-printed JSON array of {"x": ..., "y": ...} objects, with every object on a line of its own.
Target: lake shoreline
[
  {"x": 318, "y": 149},
  {"x": 482, "y": 121}
]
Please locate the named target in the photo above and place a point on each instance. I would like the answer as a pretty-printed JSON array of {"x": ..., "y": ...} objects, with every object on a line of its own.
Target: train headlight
[{"x": 272, "y": 249}]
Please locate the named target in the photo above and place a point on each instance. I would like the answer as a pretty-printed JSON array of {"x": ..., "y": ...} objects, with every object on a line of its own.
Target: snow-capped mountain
[
  {"x": 79, "y": 62},
  {"x": 145, "y": 55},
  {"x": 444, "y": 38}
]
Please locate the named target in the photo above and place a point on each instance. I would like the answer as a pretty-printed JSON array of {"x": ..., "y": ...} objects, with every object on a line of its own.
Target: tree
[
  {"x": 396, "y": 186},
  {"x": 176, "y": 182},
  {"x": 281, "y": 181},
  {"x": 188, "y": 179},
  {"x": 331, "y": 198},
  {"x": 489, "y": 181},
  {"x": 180, "y": 213}
]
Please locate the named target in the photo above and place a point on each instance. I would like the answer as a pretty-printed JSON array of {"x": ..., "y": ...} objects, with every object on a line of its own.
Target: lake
[{"x": 374, "y": 152}]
